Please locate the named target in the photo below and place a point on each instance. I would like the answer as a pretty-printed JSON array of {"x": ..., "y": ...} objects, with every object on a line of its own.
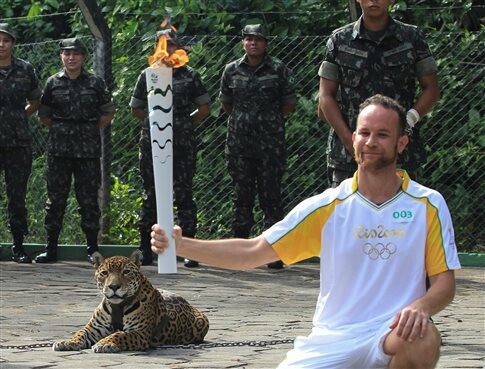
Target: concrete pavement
[{"x": 253, "y": 314}]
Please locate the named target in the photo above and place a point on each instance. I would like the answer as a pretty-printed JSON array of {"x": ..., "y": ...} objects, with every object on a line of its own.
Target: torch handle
[{"x": 160, "y": 107}]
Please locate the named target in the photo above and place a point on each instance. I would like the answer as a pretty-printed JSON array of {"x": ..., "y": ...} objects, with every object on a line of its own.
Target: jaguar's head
[{"x": 118, "y": 277}]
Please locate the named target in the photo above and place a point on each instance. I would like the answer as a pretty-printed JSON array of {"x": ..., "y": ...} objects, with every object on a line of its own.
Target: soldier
[
  {"x": 257, "y": 91},
  {"x": 375, "y": 54},
  {"x": 19, "y": 98},
  {"x": 75, "y": 105},
  {"x": 188, "y": 93}
]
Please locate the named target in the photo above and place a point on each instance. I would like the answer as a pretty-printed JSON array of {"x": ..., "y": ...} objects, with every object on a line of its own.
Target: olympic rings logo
[{"x": 379, "y": 250}]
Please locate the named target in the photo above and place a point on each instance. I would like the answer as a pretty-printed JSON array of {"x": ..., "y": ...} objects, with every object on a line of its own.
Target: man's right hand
[{"x": 160, "y": 240}]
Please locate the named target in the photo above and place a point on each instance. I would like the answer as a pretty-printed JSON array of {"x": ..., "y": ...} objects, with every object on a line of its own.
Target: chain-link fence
[{"x": 453, "y": 132}]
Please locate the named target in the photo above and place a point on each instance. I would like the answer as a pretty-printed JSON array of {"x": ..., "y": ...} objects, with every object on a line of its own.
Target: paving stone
[{"x": 43, "y": 303}]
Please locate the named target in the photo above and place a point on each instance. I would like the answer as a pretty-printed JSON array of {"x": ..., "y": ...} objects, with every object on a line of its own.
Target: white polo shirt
[{"x": 373, "y": 258}]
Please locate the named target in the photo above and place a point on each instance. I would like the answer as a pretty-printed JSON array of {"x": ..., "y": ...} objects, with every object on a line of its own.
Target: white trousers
[{"x": 355, "y": 348}]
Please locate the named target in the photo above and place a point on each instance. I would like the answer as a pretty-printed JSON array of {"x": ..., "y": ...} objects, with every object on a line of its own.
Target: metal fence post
[
  {"x": 355, "y": 10},
  {"x": 102, "y": 66}
]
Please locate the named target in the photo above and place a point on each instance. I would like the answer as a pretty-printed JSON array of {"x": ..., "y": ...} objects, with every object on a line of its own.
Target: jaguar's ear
[
  {"x": 97, "y": 259},
  {"x": 137, "y": 257}
]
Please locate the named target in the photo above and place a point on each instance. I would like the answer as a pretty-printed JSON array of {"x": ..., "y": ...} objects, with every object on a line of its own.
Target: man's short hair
[{"x": 390, "y": 104}]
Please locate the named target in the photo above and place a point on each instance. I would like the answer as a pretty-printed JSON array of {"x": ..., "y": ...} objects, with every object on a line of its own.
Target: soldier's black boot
[
  {"x": 92, "y": 244},
  {"x": 146, "y": 248},
  {"x": 18, "y": 253},
  {"x": 48, "y": 256},
  {"x": 20, "y": 256},
  {"x": 50, "y": 253},
  {"x": 276, "y": 265},
  {"x": 190, "y": 263}
]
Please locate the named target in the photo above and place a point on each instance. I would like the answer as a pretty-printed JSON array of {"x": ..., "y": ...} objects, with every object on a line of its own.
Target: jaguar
[{"x": 133, "y": 315}]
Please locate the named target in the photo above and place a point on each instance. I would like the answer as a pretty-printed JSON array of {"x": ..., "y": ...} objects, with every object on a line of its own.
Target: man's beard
[{"x": 380, "y": 163}]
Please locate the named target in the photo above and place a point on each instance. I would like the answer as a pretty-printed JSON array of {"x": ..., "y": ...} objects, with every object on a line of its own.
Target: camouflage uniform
[
  {"x": 18, "y": 84},
  {"x": 188, "y": 92},
  {"x": 365, "y": 64},
  {"x": 74, "y": 148},
  {"x": 255, "y": 146}
]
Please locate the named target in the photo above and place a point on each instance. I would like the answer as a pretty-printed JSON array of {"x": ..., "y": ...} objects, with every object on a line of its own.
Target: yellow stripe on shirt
[{"x": 303, "y": 241}]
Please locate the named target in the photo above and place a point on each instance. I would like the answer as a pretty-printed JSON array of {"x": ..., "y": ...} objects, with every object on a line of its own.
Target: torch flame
[
  {"x": 175, "y": 60},
  {"x": 166, "y": 22}
]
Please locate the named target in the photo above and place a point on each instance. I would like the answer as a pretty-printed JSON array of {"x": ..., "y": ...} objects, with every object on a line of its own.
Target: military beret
[
  {"x": 255, "y": 30},
  {"x": 5, "y": 28},
  {"x": 73, "y": 44}
]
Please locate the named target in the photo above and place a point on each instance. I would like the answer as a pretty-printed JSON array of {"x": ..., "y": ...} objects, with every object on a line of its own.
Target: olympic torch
[{"x": 160, "y": 114}]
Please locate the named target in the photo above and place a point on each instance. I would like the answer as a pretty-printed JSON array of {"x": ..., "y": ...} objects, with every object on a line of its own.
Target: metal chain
[
  {"x": 186, "y": 347},
  {"x": 23, "y": 347},
  {"x": 228, "y": 344}
]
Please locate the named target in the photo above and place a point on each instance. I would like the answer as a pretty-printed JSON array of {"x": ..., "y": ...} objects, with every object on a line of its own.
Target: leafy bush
[{"x": 123, "y": 212}]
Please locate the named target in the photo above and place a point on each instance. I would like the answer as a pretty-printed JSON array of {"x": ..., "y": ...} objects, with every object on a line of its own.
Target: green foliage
[
  {"x": 433, "y": 14},
  {"x": 456, "y": 158},
  {"x": 454, "y": 130},
  {"x": 27, "y": 21},
  {"x": 457, "y": 171},
  {"x": 122, "y": 212}
]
